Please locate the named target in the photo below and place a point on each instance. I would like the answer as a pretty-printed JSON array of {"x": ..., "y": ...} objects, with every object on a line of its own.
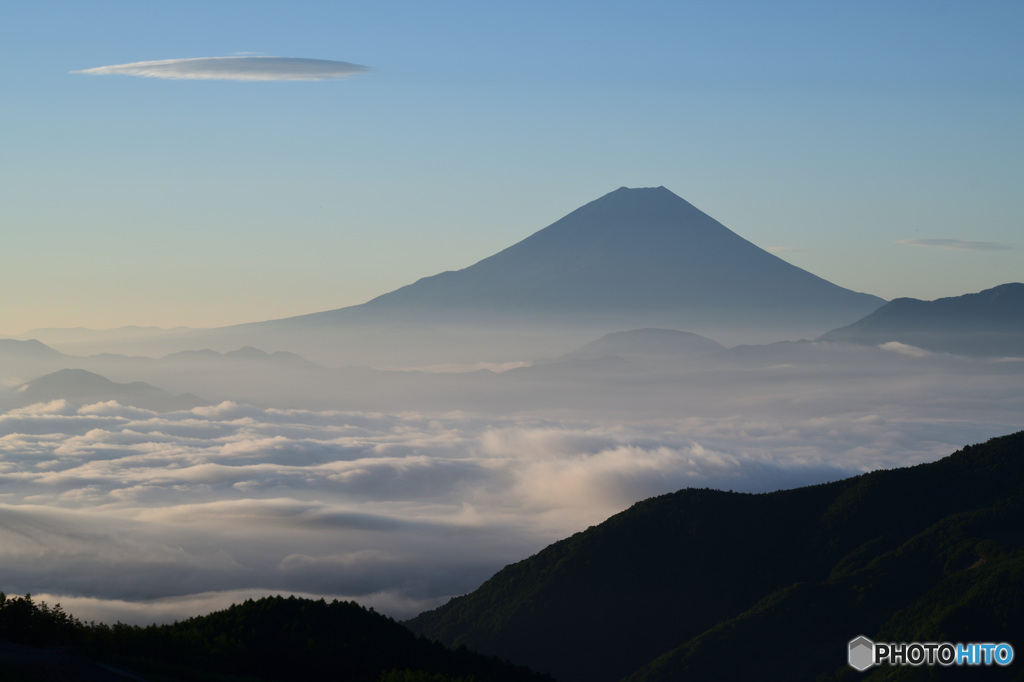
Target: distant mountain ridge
[
  {"x": 989, "y": 322},
  {"x": 30, "y": 349},
  {"x": 81, "y": 387},
  {"x": 657, "y": 343}
]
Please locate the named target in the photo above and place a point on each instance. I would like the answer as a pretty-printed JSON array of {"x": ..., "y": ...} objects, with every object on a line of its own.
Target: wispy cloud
[
  {"x": 904, "y": 349},
  {"x": 956, "y": 244},
  {"x": 238, "y": 68}
]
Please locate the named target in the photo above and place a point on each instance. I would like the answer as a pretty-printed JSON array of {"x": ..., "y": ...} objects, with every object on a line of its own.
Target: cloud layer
[
  {"x": 122, "y": 513},
  {"x": 241, "y": 68},
  {"x": 957, "y": 244}
]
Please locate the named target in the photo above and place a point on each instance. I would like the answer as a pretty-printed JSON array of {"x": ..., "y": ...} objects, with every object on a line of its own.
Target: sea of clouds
[{"x": 120, "y": 513}]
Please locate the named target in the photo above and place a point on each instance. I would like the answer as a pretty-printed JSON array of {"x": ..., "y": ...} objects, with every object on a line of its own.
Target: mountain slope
[
  {"x": 990, "y": 322},
  {"x": 697, "y": 573},
  {"x": 632, "y": 254}
]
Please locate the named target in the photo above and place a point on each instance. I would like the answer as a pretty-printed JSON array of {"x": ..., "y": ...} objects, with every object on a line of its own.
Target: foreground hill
[
  {"x": 704, "y": 584},
  {"x": 267, "y": 639},
  {"x": 990, "y": 322}
]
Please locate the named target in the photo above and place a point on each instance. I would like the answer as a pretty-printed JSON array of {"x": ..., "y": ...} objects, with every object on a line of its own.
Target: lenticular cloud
[{"x": 235, "y": 69}]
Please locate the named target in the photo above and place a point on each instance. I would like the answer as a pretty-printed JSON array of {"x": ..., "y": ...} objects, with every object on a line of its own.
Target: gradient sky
[{"x": 876, "y": 144}]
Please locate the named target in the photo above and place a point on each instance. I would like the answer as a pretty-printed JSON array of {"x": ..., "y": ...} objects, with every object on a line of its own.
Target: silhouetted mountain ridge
[
  {"x": 272, "y": 638},
  {"x": 704, "y": 584}
]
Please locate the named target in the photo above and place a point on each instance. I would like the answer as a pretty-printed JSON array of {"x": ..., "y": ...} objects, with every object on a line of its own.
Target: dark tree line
[{"x": 273, "y": 638}]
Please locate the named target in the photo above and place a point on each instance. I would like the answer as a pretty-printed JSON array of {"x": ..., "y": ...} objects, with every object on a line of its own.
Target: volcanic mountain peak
[
  {"x": 631, "y": 250},
  {"x": 631, "y": 259}
]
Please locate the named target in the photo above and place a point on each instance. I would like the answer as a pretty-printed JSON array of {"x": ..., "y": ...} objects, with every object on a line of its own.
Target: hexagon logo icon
[{"x": 861, "y": 653}]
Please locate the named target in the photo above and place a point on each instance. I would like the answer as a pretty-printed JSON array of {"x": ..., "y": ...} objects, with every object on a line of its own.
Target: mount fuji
[
  {"x": 632, "y": 259},
  {"x": 634, "y": 256}
]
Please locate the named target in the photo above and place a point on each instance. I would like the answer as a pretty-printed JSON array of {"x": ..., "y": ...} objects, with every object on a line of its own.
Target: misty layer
[{"x": 105, "y": 506}]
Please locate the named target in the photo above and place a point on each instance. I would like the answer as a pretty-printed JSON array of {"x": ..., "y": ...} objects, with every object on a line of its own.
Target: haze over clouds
[
  {"x": 122, "y": 513},
  {"x": 957, "y": 244},
  {"x": 238, "y": 68}
]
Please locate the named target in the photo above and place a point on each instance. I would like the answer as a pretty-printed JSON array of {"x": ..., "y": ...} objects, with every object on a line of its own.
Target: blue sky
[{"x": 876, "y": 144}]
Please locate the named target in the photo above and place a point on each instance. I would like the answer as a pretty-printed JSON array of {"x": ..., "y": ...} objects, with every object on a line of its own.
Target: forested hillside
[
  {"x": 704, "y": 584},
  {"x": 274, "y": 638}
]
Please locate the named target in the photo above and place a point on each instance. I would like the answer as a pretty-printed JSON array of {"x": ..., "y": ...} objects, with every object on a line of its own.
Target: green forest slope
[{"x": 703, "y": 584}]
